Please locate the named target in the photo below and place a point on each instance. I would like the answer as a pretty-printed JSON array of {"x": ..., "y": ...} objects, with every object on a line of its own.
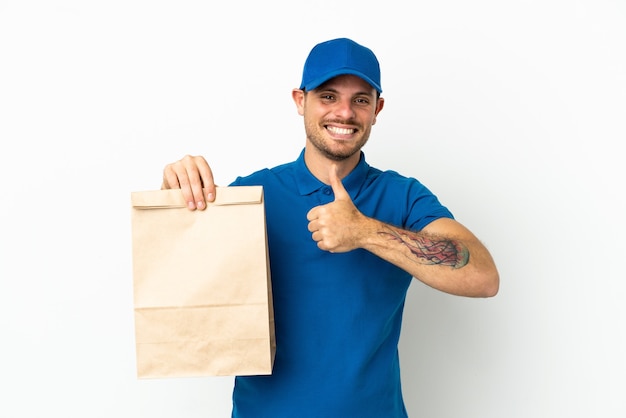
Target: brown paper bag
[{"x": 202, "y": 286}]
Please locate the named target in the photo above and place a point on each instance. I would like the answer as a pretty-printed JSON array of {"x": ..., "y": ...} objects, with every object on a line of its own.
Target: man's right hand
[{"x": 194, "y": 177}]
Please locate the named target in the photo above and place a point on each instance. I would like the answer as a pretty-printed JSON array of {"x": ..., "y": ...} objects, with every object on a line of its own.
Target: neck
[{"x": 319, "y": 164}]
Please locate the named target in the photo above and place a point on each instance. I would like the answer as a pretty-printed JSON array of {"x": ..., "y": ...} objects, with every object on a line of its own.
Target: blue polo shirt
[{"x": 337, "y": 315}]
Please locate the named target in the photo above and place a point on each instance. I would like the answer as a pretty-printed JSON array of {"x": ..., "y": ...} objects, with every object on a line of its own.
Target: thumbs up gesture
[{"x": 337, "y": 226}]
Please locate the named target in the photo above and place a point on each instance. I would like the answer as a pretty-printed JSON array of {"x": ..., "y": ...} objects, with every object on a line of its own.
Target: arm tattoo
[{"x": 431, "y": 250}]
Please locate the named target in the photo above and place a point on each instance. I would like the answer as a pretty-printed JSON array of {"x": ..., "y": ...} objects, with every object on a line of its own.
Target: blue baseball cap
[{"x": 337, "y": 57}]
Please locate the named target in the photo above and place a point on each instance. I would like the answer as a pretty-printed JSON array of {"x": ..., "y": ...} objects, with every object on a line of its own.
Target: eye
[{"x": 363, "y": 101}]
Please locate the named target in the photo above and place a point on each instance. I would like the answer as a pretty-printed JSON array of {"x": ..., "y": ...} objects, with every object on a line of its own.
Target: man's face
[{"x": 339, "y": 114}]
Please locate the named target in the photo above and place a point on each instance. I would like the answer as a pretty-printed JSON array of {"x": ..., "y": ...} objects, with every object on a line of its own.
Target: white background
[{"x": 513, "y": 113}]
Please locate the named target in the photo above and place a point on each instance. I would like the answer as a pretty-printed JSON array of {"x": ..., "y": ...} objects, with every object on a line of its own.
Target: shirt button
[{"x": 327, "y": 191}]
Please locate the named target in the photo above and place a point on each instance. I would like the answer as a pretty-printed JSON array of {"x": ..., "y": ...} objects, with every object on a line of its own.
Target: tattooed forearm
[{"x": 431, "y": 250}]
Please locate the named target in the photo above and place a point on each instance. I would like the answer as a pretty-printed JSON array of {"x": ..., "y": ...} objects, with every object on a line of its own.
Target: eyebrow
[{"x": 322, "y": 89}]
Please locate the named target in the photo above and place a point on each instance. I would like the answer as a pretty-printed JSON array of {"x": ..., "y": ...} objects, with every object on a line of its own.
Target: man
[{"x": 345, "y": 240}]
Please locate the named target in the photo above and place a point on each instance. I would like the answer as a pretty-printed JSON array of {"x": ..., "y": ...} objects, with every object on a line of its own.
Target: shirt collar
[{"x": 308, "y": 183}]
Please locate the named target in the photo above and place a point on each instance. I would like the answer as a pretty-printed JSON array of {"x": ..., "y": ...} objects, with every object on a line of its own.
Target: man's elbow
[{"x": 490, "y": 285}]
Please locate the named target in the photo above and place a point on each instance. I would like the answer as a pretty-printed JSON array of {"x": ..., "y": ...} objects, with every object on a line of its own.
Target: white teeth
[{"x": 340, "y": 131}]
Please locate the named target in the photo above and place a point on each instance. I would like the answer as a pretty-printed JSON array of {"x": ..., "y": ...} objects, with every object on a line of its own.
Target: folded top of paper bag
[{"x": 234, "y": 195}]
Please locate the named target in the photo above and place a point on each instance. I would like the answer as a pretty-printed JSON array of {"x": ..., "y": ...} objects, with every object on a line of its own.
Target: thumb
[{"x": 340, "y": 192}]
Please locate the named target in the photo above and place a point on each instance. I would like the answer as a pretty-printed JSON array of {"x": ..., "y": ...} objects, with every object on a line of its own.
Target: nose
[{"x": 344, "y": 110}]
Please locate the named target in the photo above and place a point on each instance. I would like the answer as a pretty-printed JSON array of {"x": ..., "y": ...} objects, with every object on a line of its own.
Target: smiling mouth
[{"x": 340, "y": 131}]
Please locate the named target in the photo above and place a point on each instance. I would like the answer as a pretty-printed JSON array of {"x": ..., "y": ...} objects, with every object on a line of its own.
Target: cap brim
[{"x": 313, "y": 84}]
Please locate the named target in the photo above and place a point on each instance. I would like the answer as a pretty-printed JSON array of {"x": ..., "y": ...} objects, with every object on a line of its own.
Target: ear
[{"x": 298, "y": 98}]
